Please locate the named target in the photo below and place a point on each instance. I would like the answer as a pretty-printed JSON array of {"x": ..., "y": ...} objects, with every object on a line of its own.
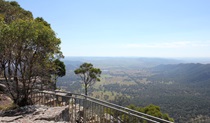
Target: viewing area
[{"x": 85, "y": 109}]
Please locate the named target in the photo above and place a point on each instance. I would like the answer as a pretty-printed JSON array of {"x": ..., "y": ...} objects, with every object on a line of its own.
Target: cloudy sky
[{"x": 148, "y": 28}]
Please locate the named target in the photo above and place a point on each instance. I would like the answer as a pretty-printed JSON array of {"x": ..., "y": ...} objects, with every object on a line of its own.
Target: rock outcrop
[{"x": 36, "y": 114}]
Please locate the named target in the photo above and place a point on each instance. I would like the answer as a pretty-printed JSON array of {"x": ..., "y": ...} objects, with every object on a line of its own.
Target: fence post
[{"x": 84, "y": 109}]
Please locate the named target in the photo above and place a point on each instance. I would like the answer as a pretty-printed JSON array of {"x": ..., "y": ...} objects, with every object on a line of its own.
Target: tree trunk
[
  {"x": 55, "y": 82},
  {"x": 86, "y": 89},
  {"x": 24, "y": 101}
]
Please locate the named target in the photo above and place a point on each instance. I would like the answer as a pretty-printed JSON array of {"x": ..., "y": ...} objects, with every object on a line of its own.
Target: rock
[
  {"x": 19, "y": 111},
  {"x": 55, "y": 114},
  {"x": 37, "y": 114},
  {"x": 10, "y": 119}
]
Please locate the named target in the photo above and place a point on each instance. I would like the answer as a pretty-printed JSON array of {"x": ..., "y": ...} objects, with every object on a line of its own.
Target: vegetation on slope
[{"x": 183, "y": 100}]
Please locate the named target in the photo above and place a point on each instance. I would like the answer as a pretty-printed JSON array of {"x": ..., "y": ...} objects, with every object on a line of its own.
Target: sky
[{"x": 128, "y": 28}]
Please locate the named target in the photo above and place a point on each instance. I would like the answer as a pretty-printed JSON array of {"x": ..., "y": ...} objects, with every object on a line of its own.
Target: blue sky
[{"x": 142, "y": 28}]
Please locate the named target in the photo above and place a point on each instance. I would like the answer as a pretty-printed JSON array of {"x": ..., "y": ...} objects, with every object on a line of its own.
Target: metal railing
[{"x": 85, "y": 109}]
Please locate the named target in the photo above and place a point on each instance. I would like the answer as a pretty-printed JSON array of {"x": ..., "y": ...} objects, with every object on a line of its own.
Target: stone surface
[{"x": 36, "y": 114}]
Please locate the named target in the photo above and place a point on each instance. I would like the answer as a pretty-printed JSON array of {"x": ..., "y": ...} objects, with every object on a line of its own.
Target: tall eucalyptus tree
[{"x": 28, "y": 48}]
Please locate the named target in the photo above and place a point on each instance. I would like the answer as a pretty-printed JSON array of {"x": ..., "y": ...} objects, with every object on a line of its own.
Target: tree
[
  {"x": 151, "y": 110},
  {"x": 121, "y": 100},
  {"x": 28, "y": 48},
  {"x": 12, "y": 11},
  {"x": 88, "y": 74},
  {"x": 59, "y": 70}
]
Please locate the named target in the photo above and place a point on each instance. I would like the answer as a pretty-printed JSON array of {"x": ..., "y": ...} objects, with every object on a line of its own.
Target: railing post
[
  {"x": 39, "y": 98},
  {"x": 42, "y": 98},
  {"x": 75, "y": 110},
  {"x": 54, "y": 99},
  {"x": 84, "y": 109}
]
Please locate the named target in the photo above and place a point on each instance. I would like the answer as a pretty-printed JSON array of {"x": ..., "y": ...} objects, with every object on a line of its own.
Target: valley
[{"x": 181, "y": 89}]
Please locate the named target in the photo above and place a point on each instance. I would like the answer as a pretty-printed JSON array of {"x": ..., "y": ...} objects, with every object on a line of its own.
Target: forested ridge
[{"x": 182, "y": 73}]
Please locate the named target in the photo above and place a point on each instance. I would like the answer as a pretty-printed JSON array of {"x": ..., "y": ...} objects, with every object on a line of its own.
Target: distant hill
[
  {"x": 113, "y": 62},
  {"x": 72, "y": 65},
  {"x": 183, "y": 73}
]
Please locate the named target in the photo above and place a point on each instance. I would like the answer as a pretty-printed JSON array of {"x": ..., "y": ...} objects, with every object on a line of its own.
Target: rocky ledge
[{"x": 36, "y": 114}]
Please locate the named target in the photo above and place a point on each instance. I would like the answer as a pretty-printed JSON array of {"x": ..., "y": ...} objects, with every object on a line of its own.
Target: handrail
[
  {"x": 130, "y": 110},
  {"x": 122, "y": 109},
  {"x": 128, "y": 113}
]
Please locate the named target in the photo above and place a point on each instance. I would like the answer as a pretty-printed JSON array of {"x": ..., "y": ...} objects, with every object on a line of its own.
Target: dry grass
[{"x": 6, "y": 103}]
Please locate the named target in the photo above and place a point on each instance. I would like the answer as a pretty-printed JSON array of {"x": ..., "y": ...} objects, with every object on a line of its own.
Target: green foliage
[
  {"x": 12, "y": 11},
  {"x": 14, "y": 3},
  {"x": 41, "y": 20},
  {"x": 88, "y": 74},
  {"x": 28, "y": 49},
  {"x": 59, "y": 70},
  {"x": 151, "y": 110}
]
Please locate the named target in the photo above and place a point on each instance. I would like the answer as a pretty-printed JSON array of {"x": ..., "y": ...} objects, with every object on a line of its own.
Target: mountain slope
[{"x": 183, "y": 73}]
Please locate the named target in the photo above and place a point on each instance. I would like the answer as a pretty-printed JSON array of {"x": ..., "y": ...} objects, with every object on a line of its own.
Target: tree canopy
[
  {"x": 152, "y": 110},
  {"x": 28, "y": 48},
  {"x": 59, "y": 70},
  {"x": 88, "y": 74}
]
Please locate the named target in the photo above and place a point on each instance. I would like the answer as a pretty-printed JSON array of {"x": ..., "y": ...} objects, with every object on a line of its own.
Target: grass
[
  {"x": 8, "y": 106},
  {"x": 6, "y": 103}
]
